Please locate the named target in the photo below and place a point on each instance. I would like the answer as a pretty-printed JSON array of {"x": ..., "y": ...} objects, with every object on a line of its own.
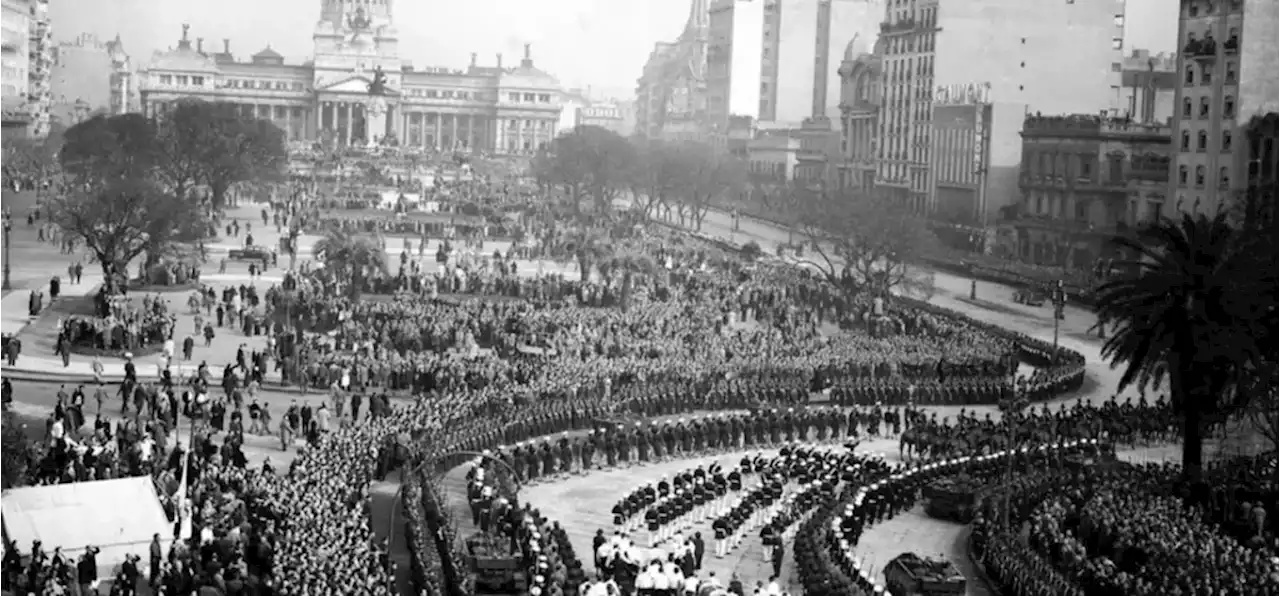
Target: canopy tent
[{"x": 118, "y": 517}]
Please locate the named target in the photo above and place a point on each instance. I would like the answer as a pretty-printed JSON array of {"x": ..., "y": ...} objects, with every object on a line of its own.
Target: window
[
  {"x": 1117, "y": 43},
  {"x": 1226, "y": 141},
  {"x": 544, "y": 98},
  {"x": 1193, "y": 9},
  {"x": 1206, "y": 74},
  {"x": 1153, "y": 210},
  {"x": 513, "y": 96},
  {"x": 1200, "y": 176},
  {"x": 1190, "y": 77},
  {"x": 1119, "y": 20},
  {"x": 1202, "y": 141},
  {"x": 529, "y": 97},
  {"x": 298, "y": 87},
  {"x": 1228, "y": 107},
  {"x": 1082, "y": 210},
  {"x": 1224, "y": 178},
  {"x": 197, "y": 81},
  {"x": 1115, "y": 66},
  {"x": 166, "y": 79},
  {"x": 1231, "y": 72},
  {"x": 446, "y": 94},
  {"x": 1086, "y": 168},
  {"x": 1186, "y": 108},
  {"x": 511, "y": 124},
  {"x": 1186, "y": 140},
  {"x": 1204, "y": 107},
  {"x": 1182, "y": 175},
  {"x": 432, "y": 94}
]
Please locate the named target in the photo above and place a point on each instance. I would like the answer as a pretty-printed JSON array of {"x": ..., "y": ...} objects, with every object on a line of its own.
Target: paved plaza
[{"x": 38, "y": 360}]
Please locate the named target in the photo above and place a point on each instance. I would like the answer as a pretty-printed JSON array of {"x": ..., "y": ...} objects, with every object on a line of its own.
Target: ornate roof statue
[{"x": 378, "y": 86}]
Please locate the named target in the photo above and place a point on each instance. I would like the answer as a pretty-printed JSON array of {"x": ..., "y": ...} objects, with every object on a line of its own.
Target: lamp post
[
  {"x": 8, "y": 232},
  {"x": 1011, "y": 412},
  {"x": 1059, "y": 297}
]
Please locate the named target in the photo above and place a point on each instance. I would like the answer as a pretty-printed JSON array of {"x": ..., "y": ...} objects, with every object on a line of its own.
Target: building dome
[{"x": 857, "y": 47}]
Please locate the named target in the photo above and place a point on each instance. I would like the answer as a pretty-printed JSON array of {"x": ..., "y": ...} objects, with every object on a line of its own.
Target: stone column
[
  {"x": 350, "y": 110},
  {"x": 436, "y": 140},
  {"x": 453, "y": 136}
]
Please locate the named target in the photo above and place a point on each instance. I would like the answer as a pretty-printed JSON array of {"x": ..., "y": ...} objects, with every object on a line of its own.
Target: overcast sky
[{"x": 602, "y": 43}]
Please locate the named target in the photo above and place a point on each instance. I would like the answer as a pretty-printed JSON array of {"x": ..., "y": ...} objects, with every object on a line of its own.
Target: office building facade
[
  {"x": 1046, "y": 56},
  {"x": 1227, "y": 76}
]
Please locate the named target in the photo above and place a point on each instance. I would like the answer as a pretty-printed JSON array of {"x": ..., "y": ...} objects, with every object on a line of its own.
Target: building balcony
[
  {"x": 1202, "y": 49},
  {"x": 903, "y": 26},
  {"x": 1232, "y": 45}
]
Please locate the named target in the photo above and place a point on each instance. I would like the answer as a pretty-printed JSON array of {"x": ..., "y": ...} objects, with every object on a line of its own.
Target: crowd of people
[
  {"x": 702, "y": 331},
  {"x": 1141, "y": 530}
]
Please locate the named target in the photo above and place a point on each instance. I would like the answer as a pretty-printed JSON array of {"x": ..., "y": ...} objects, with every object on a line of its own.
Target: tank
[{"x": 910, "y": 575}]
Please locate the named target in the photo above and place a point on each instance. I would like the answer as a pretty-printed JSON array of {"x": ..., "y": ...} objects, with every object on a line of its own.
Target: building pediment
[{"x": 352, "y": 84}]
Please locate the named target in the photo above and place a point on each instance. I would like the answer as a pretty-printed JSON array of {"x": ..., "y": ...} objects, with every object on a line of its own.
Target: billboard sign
[{"x": 964, "y": 94}]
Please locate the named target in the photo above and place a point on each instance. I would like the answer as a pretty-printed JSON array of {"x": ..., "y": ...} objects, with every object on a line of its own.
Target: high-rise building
[
  {"x": 16, "y": 59},
  {"x": 39, "y": 68},
  {"x": 90, "y": 76},
  {"x": 1052, "y": 56},
  {"x": 803, "y": 41},
  {"x": 1227, "y": 69},
  {"x": 734, "y": 61},
  {"x": 671, "y": 91},
  {"x": 500, "y": 109}
]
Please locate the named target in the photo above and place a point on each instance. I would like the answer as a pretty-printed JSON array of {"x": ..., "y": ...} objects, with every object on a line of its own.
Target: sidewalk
[
  {"x": 13, "y": 307},
  {"x": 80, "y": 370}
]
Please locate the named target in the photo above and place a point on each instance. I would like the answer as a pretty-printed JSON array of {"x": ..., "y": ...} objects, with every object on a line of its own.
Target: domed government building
[{"x": 357, "y": 89}]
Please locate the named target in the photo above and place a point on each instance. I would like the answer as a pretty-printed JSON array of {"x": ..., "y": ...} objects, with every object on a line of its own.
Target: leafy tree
[
  {"x": 355, "y": 256},
  {"x": 104, "y": 150},
  {"x": 1196, "y": 312},
  {"x": 15, "y": 451},
  {"x": 248, "y": 150},
  {"x": 710, "y": 177},
  {"x": 121, "y": 219},
  {"x": 590, "y": 249},
  {"x": 865, "y": 243},
  {"x": 587, "y": 162},
  {"x": 656, "y": 174}
]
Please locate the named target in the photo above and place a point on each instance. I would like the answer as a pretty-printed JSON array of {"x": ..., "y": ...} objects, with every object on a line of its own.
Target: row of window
[
  {"x": 445, "y": 94},
  {"x": 1202, "y": 74},
  {"x": 1202, "y": 141},
  {"x": 1206, "y": 108},
  {"x": 529, "y": 97},
  {"x": 1224, "y": 176},
  {"x": 1196, "y": 8}
]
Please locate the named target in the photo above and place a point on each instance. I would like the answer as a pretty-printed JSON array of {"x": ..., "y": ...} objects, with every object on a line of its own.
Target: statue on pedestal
[{"x": 379, "y": 84}]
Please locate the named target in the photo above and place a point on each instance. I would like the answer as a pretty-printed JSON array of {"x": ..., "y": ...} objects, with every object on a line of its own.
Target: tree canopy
[
  {"x": 587, "y": 162},
  {"x": 131, "y": 179},
  {"x": 864, "y": 242}
]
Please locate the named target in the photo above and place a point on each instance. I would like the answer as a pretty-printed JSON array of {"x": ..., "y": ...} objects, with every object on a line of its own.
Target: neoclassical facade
[
  {"x": 860, "y": 91},
  {"x": 496, "y": 109}
]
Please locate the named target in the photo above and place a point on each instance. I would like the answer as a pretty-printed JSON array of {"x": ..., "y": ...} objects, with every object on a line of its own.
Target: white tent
[{"x": 118, "y": 517}]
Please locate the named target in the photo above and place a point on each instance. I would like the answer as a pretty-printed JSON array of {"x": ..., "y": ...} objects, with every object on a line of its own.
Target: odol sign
[{"x": 963, "y": 94}]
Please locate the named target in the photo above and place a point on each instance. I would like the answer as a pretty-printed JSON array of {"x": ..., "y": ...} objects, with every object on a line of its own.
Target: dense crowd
[{"x": 676, "y": 341}]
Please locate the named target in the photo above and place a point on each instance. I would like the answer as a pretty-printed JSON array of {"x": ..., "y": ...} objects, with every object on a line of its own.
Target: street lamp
[
  {"x": 1059, "y": 297},
  {"x": 1011, "y": 411},
  {"x": 8, "y": 231}
]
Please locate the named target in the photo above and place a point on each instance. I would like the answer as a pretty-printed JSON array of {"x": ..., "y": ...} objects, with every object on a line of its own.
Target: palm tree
[
  {"x": 590, "y": 249},
  {"x": 629, "y": 265},
  {"x": 1194, "y": 312},
  {"x": 343, "y": 252}
]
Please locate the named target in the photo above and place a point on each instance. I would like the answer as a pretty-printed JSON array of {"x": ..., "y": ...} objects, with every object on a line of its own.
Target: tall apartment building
[
  {"x": 1052, "y": 56},
  {"x": 90, "y": 76},
  {"x": 15, "y": 52},
  {"x": 735, "y": 61},
  {"x": 1227, "y": 65},
  {"x": 39, "y": 68},
  {"x": 803, "y": 41},
  {"x": 671, "y": 93}
]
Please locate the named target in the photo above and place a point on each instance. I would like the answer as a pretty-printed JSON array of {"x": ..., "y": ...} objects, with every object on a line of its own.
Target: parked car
[
  {"x": 252, "y": 252},
  {"x": 1029, "y": 297}
]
